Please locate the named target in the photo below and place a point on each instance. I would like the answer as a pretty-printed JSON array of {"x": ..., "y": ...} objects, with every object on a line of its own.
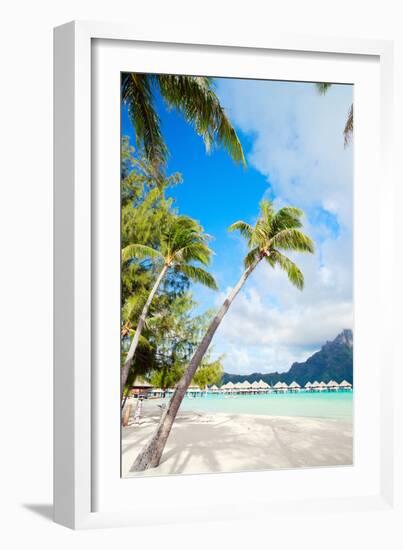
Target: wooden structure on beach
[{"x": 140, "y": 387}]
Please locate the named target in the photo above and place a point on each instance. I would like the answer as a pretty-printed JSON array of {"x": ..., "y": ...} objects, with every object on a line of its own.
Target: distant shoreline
[
  {"x": 225, "y": 442},
  {"x": 320, "y": 405}
]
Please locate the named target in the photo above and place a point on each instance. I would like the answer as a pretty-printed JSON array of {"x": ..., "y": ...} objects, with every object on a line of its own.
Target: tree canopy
[
  {"x": 192, "y": 96},
  {"x": 152, "y": 233}
]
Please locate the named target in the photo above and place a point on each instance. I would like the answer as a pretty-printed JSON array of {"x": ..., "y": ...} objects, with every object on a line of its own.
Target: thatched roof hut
[
  {"x": 294, "y": 386},
  {"x": 332, "y": 385}
]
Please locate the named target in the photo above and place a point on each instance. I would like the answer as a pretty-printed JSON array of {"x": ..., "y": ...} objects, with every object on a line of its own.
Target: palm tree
[
  {"x": 182, "y": 244},
  {"x": 322, "y": 88},
  {"x": 273, "y": 232},
  {"x": 193, "y": 96}
]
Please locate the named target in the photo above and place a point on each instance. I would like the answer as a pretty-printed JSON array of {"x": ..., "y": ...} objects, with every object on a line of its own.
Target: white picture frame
[{"x": 83, "y": 484}]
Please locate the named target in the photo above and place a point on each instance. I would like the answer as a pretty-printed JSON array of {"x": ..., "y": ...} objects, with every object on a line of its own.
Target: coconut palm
[
  {"x": 273, "y": 233},
  {"x": 322, "y": 88},
  {"x": 193, "y": 96},
  {"x": 183, "y": 244}
]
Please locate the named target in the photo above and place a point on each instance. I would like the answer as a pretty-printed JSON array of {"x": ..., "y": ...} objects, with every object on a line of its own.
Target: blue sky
[
  {"x": 215, "y": 191},
  {"x": 292, "y": 138}
]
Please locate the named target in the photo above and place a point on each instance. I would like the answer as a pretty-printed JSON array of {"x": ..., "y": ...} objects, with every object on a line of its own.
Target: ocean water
[{"x": 335, "y": 405}]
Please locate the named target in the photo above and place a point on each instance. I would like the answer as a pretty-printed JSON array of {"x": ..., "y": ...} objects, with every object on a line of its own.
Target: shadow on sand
[{"x": 235, "y": 444}]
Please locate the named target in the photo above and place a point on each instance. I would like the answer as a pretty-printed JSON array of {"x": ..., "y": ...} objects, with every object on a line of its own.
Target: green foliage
[
  {"x": 273, "y": 232},
  {"x": 177, "y": 333},
  {"x": 179, "y": 241},
  {"x": 153, "y": 234},
  {"x": 167, "y": 376},
  {"x": 322, "y": 87},
  {"x": 193, "y": 97},
  {"x": 208, "y": 374},
  {"x": 197, "y": 275}
]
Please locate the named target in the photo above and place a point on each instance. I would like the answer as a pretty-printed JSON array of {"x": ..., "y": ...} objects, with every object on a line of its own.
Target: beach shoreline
[{"x": 204, "y": 442}]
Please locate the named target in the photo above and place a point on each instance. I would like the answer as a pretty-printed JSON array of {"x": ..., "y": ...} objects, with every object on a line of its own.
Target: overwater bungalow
[
  {"x": 294, "y": 387},
  {"x": 280, "y": 387},
  {"x": 345, "y": 386},
  {"x": 254, "y": 388},
  {"x": 264, "y": 387},
  {"x": 246, "y": 387},
  {"x": 332, "y": 386},
  {"x": 193, "y": 391},
  {"x": 157, "y": 392}
]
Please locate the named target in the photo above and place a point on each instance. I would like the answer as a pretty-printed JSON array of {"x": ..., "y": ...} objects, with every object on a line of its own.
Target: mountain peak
[
  {"x": 334, "y": 361},
  {"x": 345, "y": 337}
]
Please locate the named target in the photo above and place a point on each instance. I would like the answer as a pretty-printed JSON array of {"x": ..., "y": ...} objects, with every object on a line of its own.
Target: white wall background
[{"x": 26, "y": 266}]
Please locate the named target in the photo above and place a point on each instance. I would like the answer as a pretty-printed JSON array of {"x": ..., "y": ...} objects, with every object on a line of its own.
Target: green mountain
[{"x": 334, "y": 361}]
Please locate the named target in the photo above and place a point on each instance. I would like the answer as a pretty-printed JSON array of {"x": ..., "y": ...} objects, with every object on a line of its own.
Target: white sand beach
[{"x": 221, "y": 442}]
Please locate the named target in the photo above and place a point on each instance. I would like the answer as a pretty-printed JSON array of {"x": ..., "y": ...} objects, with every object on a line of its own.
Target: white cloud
[
  {"x": 256, "y": 335},
  {"x": 298, "y": 147},
  {"x": 298, "y": 140},
  {"x": 257, "y": 358}
]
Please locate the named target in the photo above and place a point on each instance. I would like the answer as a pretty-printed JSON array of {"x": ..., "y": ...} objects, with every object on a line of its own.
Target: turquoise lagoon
[{"x": 334, "y": 405}]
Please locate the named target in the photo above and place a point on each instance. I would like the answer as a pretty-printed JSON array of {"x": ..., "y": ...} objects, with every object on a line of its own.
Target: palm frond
[
  {"x": 198, "y": 275},
  {"x": 262, "y": 232},
  {"x": 287, "y": 217},
  {"x": 139, "y": 251},
  {"x": 276, "y": 230},
  {"x": 322, "y": 87},
  {"x": 177, "y": 228},
  {"x": 137, "y": 93},
  {"x": 132, "y": 307},
  {"x": 195, "y": 98},
  {"x": 267, "y": 210},
  {"x": 349, "y": 127},
  {"x": 252, "y": 256},
  {"x": 294, "y": 274},
  {"x": 228, "y": 137},
  {"x": 292, "y": 239},
  {"x": 194, "y": 251},
  {"x": 245, "y": 229},
  {"x": 184, "y": 240}
]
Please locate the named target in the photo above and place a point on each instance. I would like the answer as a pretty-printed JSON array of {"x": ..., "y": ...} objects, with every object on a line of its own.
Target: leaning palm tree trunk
[
  {"x": 124, "y": 400},
  {"x": 140, "y": 325},
  {"x": 150, "y": 456}
]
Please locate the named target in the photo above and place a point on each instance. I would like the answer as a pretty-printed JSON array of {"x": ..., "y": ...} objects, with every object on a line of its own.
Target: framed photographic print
[{"x": 219, "y": 213}]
